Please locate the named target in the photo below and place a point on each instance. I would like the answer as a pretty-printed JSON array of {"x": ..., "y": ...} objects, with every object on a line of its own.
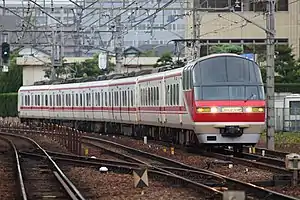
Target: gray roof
[{"x": 159, "y": 49}]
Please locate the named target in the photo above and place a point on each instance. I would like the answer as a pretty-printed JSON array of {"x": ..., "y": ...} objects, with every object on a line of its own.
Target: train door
[
  {"x": 127, "y": 103},
  {"x": 120, "y": 103},
  {"x": 92, "y": 106},
  {"x": 51, "y": 104},
  {"x": 72, "y": 104},
  {"x": 138, "y": 96},
  {"x": 101, "y": 105},
  {"x": 163, "y": 90},
  {"x": 63, "y": 112}
]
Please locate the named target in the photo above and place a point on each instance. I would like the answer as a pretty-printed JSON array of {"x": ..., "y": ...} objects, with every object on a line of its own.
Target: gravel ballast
[{"x": 120, "y": 186}]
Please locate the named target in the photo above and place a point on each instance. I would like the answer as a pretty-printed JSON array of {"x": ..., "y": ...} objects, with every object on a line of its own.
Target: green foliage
[
  {"x": 12, "y": 80},
  {"x": 226, "y": 48},
  {"x": 286, "y": 65},
  {"x": 165, "y": 59},
  {"x": 287, "y": 87},
  {"x": 284, "y": 141},
  {"x": 9, "y": 105},
  {"x": 87, "y": 68}
]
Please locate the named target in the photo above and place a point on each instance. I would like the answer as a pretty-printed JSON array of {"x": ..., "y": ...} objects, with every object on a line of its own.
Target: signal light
[{"x": 5, "y": 52}]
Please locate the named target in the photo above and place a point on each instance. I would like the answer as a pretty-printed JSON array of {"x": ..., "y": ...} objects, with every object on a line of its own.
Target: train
[{"x": 215, "y": 100}]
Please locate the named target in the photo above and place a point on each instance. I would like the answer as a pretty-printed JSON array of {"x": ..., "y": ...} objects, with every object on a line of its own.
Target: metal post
[
  {"x": 196, "y": 30},
  {"x": 118, "y": 44},
  {"x": 270, "y": 74}
]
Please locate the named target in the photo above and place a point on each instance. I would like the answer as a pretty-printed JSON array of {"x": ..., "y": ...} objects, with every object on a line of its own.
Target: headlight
[
  {"x": 258, "y": 109},
  {"x": 249, "y": 109},
  {"x": 207, "y": 110},
  {"x": 213, "y": 109}
]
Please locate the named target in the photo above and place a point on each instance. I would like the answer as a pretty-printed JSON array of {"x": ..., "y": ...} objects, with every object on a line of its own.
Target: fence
[{"x": 287, "y": 119}]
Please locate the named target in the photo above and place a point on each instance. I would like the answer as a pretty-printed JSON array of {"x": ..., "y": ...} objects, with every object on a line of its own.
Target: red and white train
[{"x": 216, "y": 99}]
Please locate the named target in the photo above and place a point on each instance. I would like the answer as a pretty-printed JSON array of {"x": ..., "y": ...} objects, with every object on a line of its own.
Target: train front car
[{"x": 228, "y": 103}]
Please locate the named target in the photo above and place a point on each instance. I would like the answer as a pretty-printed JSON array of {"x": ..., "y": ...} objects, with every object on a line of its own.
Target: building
[
  {"x": 96, "y": 23},
  {"x": 34, "y": 62},
  {"x": 227, "y": 27}
]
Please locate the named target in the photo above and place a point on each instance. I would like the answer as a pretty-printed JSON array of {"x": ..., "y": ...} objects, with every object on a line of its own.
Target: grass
[{"x": 284, "y": 141}]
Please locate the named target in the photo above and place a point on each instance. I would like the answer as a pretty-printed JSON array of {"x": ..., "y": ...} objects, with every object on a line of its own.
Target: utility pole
[
  {"x": 270, "y": 74},
  {"x": 196, "y": 30},
  {"x": 118, "y": 40}
]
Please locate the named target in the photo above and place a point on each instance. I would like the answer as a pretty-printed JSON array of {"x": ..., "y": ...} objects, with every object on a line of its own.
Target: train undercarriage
[{"x": 171, "y": 136}]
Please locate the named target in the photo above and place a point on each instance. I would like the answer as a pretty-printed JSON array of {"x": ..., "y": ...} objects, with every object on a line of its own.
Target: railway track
[
  {"x": 268, "y": 152},
  {"x": 252, "y": 191},
  {"x": 39, "y": 179},
  {"x": 250, "y": 160}
]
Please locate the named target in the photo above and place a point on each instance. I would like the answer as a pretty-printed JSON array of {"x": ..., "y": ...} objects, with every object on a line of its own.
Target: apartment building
[{"x": 228, "y": 27}]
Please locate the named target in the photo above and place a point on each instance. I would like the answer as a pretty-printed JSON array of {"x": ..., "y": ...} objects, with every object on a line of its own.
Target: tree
[
  {"x": 286, "y": 65},
  {"x": 165, "y": 59},
  {"x": 87, "y": 68},
  {"x": 12, "y": 80},
  {"x": 226, "y": 48}
]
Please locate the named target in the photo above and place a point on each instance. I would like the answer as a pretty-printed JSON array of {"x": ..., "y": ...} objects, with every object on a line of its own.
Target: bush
[{"x": 9, "y": 105}]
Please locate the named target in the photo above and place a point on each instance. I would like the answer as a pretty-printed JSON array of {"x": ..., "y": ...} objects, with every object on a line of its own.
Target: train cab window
[{"x": 213, "y": 70}]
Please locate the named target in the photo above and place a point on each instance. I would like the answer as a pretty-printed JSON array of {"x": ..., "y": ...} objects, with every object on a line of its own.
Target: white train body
[{"x": 155, "y": 100}]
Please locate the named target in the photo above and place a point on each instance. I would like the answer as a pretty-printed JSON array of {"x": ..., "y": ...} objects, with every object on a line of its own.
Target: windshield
[
  {"x": 229, "y": 93},
  {"x": 225, "y": 70}
]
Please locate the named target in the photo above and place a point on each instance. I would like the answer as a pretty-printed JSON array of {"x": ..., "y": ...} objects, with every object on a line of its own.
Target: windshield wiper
[{"x": 252, "y": 96}]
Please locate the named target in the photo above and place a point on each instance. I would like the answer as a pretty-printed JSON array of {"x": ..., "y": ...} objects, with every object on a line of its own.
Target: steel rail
[
  {"x": 268, "y": 152},
  {"x": 70, "y": 189},
  {"x": 20, "y": 176},
  {"x": 255, "y": 190}
]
